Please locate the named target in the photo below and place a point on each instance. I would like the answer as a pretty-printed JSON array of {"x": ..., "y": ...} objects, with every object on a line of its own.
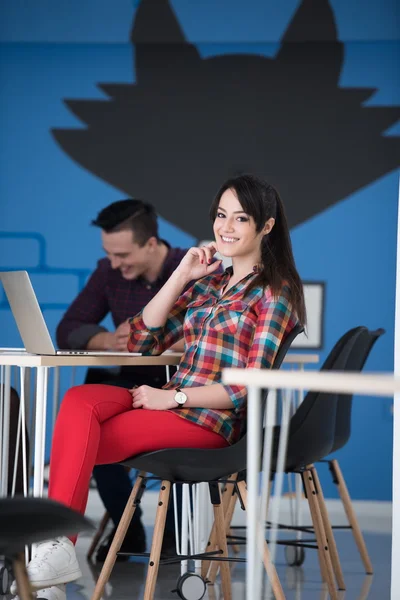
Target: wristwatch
[{"x": 180, "y": 397}]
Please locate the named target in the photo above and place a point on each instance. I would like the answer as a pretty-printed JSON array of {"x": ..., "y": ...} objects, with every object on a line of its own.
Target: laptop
[{"x": 29, "y": 318}]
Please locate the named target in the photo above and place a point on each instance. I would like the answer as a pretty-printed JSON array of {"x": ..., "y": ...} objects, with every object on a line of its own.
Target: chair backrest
[
  {"x": 356, "y": 361},
  {"x": 312, "y": 427},
  {"x": 24, "y": 521},
  {"x": 285, "y": 345},
  {"x": 241, "y": 445}
]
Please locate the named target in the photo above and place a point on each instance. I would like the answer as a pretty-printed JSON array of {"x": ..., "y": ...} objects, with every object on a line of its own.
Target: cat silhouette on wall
[{"x": 188, "y": 122}]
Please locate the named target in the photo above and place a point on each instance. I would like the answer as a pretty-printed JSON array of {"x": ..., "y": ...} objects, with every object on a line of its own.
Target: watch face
[{"x": 180, "y": 397}]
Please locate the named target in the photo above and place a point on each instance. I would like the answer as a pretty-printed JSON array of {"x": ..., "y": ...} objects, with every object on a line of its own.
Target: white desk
[
  {"x": 255, "y": 380},
  {"x": 23, "y": 360},
  {"x": 42, "y": 365}
]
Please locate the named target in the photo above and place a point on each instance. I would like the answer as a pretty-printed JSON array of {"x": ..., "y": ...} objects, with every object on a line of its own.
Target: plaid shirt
[
  {"x": 108, "y": 292},
  {"x": 234, "y": 330}
]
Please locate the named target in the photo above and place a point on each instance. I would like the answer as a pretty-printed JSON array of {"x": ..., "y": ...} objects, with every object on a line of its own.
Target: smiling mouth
[{"x": 228, "y": 240}]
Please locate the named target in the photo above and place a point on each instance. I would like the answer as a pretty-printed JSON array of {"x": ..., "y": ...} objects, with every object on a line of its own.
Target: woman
[{"x": 238, "y": 318}]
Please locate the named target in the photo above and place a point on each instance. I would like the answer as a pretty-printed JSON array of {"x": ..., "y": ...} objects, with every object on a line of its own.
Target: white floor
[{"x": 374, "y": 517}]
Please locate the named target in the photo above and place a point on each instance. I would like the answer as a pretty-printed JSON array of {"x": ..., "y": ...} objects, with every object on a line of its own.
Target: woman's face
[{"x": 234, "y": 230}]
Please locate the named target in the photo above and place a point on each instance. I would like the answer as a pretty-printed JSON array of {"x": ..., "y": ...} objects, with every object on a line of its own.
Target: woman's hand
[
  {"x": 151, "y": 398},
  {"x": 197, "y": 262}
]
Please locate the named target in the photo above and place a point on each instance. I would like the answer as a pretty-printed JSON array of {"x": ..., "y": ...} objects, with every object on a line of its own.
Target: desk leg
[
  {"x": 40, "y": 430},
  {"x": 185, "y": 526},
  {"x": 6, "y": 429},
  {"x": 395, "y": 580},
  {"x": 280, "y": 471},
  {"x": 25, "y": 466},
  {"x": 204, "y": 526},
  {"x": 253, "y": 583},
  {"x": 21, "y": 440},
  {"x": 298, "y": 479},
  {"x": 56, "y": 396}
]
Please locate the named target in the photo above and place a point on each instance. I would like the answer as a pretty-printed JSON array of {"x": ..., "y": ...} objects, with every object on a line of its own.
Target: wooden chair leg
[
  {"x": 228, "y": 513},
  {"x": 98, "y": 535},
  {"x": 318, "y": 525},
  {"x": 228, "y": 520},
  {"x": 231, "y": 509},
  {"x": 118, "y": 538},
  {"x": 337, "y": 568},
  {"x": 235, "y": 547},
  {"x": 212, "y": 544},
  {"x": 220, "y": 532},
  {"x": 351, "y": 516},
  {"x": 268, "y": 565},
  {"x": 22, "y": 579},
  {"x": 159, "y": 526}
]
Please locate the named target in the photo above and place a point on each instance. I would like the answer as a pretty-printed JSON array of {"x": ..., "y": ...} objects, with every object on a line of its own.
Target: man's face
[{"x": 126, "y": 255}]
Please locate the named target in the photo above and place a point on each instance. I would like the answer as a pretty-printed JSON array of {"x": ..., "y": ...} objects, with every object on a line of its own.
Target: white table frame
[
  {"x": 42, "y": 365},
  {"x": 351, "y": 383}
]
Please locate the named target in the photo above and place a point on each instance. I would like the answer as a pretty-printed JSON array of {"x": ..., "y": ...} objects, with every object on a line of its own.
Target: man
[{"x": 137, "y": 265}]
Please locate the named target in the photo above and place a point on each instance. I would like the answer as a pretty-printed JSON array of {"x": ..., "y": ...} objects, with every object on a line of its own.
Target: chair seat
[
  {"x": 191, "y": 464},
  {"x": 29, "y": 520}
]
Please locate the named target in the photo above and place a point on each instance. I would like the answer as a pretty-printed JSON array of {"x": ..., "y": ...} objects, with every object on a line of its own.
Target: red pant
[{"x": 97, "y": 425}]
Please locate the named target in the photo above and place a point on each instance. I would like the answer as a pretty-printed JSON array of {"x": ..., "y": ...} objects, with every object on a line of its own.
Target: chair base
[
  {"x": 325, "y": 543},
  {"x": 155, "y": 559}
]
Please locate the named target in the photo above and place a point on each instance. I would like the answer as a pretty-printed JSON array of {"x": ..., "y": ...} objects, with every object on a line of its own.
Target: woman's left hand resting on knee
[
  {"x": 212, "y": 396},
  {"x": 151, "y": 398}
]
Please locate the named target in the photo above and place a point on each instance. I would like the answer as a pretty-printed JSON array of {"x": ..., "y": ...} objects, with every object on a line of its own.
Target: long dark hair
[{"x": 261, "y": 201}]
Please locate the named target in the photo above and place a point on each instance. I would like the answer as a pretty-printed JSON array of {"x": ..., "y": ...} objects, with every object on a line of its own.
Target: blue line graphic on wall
[{"x": 42, "y": 269}]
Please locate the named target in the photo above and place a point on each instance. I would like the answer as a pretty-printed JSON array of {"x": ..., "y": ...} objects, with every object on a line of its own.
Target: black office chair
[
  {"x": 188, "y": 466},
  {"x": 24, "y": 521},
  {"x": 357, "y": 359},
  {"x": 310, "y": 438}
]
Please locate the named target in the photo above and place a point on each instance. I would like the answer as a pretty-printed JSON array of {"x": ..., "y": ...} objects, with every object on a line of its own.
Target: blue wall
[{"x": 50, "y": 51}]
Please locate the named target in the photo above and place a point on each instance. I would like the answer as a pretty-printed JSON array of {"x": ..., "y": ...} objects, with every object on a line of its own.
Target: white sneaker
[
  {"x": 54, "y": 562},
  {"x": 55, "y": 592}
]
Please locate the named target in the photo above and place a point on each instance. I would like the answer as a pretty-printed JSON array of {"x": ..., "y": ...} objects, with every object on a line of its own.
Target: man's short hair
[{"x": 124, "y": 215}]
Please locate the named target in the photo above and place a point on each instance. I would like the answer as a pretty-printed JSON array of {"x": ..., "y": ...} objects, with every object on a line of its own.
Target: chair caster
[
  {"x": 190, "y": 586},
  {"x": 295, "y": 555},
  {"x": 5, "y": 580}
]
